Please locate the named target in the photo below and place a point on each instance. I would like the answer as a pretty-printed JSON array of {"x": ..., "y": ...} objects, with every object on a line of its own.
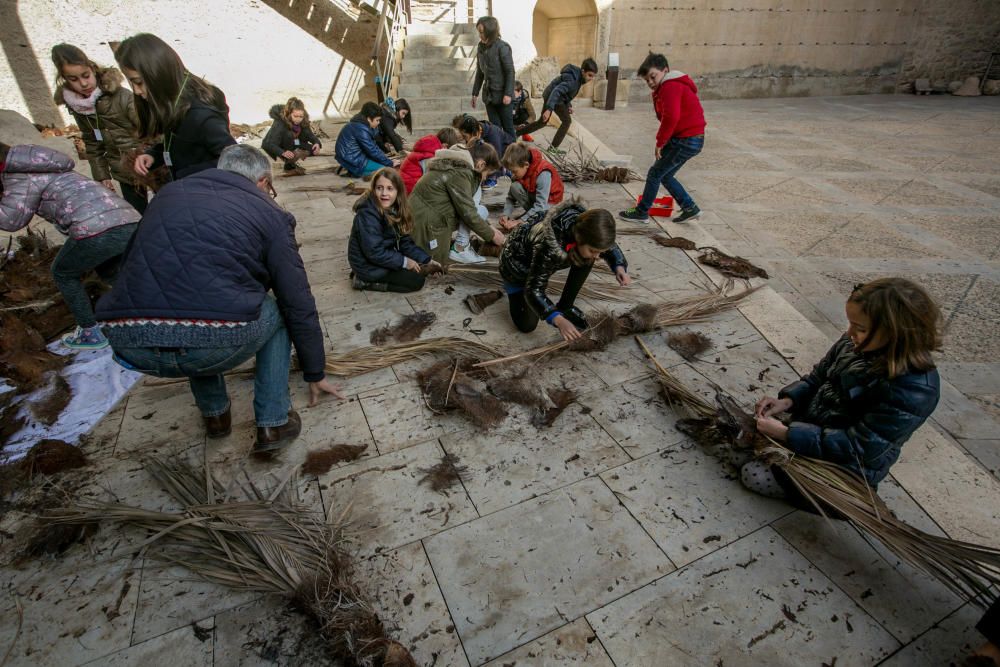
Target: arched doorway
[{"x": 565, "y": 29}]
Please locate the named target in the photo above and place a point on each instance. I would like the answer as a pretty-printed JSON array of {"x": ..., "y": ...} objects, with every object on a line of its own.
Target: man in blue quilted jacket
[{"x": 194, "y": 296}]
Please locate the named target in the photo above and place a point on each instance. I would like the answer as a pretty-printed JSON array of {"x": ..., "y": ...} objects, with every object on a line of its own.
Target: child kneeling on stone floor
[
  {"x": 568, "y": 236},
  {"x": 382, "y": 255},
  {"x": 536, "y": 185},
  {"x": 866, "y": 397},
  {"x": 291, "y": 138}
]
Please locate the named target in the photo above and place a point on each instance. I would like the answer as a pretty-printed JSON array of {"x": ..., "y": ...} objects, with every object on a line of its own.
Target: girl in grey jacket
[{"x": 98, "y": 224}]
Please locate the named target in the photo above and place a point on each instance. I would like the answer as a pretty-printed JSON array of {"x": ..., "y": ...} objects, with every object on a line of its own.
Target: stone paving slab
[
  {"x": 525, "y": 571},
  {"x": 573, "y": 644},
  {"x": 180, "y": 647},
  {"x": 754, "y": 602}
]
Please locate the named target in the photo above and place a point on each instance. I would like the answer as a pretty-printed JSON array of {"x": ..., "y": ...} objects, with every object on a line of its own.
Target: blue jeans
[
  {"x": 204, "y": 368},
  {"x": 675, "y": 153},
  {"x": 371, "y": 166}
]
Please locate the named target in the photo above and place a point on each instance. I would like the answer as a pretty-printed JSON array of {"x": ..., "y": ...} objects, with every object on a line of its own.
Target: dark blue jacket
[
  {"x": 563, "y": 88},
  {"x": 496, "y": 137},
  {"x": 376, "y": 247},
  {"x": 209, "y": 247},
  {"x": 356, "y": 145},
  {"x": 847, "y": 412}
]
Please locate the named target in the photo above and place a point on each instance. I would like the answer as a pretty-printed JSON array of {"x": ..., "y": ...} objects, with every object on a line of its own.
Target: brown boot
[
  {"x": 219, "y": 426},
  {"x": 273, "y": 438}
]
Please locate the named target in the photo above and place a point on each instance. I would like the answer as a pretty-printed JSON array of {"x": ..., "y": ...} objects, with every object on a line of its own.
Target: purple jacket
[{"x": 41, "y": 181}]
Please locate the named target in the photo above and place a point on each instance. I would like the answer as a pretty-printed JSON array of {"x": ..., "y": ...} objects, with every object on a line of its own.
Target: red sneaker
[{"x": 527, "y": 137}]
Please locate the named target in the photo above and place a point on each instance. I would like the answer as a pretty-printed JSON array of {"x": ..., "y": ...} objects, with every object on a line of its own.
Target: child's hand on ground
[
  {"x": 109, "y": 184},
  {"x": 624, "y": 279},
  {"x": 288, "y": 155},
  {"x": 567, "y": 329},
  {"x": 142, "y": 164},
  {"x": 317, "y": 389},
  {"x": 412, "y": 265},
  {"x": 772, "y": 428},
  {"x": 769, "y": 405},
  {"x": 508, "y": 223},
  {"x": 498, "y": 238}
]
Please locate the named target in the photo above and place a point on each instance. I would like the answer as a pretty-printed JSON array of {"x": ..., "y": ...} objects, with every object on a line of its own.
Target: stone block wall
[{"x": 259, "y": 52}]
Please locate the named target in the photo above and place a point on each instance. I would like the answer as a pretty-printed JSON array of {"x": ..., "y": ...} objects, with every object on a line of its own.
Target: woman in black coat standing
[{"x": 494, "y": 74}]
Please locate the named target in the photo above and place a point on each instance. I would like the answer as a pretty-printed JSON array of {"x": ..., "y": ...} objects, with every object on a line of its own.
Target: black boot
[
  {"x": 575, "y": 315},
  {"x": 359, "y": 284}
]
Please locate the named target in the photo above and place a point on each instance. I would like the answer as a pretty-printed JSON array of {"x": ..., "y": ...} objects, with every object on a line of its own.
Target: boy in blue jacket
[
  {"x": 558, "y": 96},
  {"x": 357, "y": 151}
]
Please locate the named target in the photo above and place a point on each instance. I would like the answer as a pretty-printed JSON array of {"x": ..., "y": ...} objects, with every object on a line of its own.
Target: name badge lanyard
[
  {"x": 170, "y": 135},
  {"x": 96, "y": 129}
]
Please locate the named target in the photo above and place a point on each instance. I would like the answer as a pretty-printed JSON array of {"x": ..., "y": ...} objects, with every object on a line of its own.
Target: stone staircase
[{"x": 436, "y": 74}]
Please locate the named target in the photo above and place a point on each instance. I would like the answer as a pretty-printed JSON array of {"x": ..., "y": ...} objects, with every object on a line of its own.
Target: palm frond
[{"x": 367, "y": 359}]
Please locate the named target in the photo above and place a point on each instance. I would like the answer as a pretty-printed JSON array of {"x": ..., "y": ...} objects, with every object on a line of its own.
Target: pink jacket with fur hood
[{"x": 41, "y": 181}]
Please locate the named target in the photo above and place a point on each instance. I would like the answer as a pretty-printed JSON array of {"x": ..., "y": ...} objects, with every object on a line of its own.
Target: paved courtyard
[{"x": 608, "y": 538}]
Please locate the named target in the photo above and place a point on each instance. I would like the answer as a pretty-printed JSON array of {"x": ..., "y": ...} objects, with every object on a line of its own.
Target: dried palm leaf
[
  {"x": 969, "y": 570},
  {"x": 689, "y": 344},
  {"x": 259, "y": 540},
  {"x": 729, "y": 265},
  {"x": 368, "y": 359}
]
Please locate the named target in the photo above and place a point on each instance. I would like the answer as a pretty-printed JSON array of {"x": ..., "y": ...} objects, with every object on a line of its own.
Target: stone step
[
  {"x": 459, "y": 39},
  {"x": 465, "y": 66},
  {"x": 421, "y": 28},
  {"x": 439, "y": 52},
  {"x": 452, "y": 103},
  {"x": 418, "y": 90}
]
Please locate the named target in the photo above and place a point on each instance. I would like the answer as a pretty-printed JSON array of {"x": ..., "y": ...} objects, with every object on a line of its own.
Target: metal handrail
[{"x": 391, "y": 21}]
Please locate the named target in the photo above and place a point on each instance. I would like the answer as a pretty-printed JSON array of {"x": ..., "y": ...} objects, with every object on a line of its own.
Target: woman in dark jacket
[
  {"x": 190, "y": 114},
  {"x": 290, "y": 137},
  {"x": 494, "y": 75},
  {"x": 382, "y": 255},
  {"x": 871, "y": 391},
  {"x": 569, "y": 236},
  {"x": 393, "y": 115}
]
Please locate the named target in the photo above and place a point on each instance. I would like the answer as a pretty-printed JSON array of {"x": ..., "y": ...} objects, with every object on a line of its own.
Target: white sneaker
[{"x": 467, "y": 256}]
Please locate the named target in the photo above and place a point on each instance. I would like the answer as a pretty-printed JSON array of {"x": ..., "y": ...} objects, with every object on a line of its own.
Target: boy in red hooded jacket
[{"x": 680, "y": 137}]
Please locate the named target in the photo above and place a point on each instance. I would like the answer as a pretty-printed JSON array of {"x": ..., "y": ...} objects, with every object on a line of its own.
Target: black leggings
[
  {"x": 565, "y": 119},
  {"x": 133, "y": 196},
  {"x": 403, "y": 280},
  {"x": 526, "y": 319}
]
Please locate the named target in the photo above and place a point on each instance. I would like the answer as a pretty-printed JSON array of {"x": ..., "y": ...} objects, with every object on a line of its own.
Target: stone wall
[
  {"x": 259, "y": 52},
  {"x": 952, "y": 40}
]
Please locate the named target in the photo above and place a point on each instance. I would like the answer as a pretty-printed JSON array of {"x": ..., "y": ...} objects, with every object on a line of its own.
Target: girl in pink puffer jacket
[{"x": 98, "y": 224}]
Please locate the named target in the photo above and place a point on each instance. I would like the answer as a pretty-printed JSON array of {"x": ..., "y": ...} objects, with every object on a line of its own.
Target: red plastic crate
[{"x": 662, "y": 206}]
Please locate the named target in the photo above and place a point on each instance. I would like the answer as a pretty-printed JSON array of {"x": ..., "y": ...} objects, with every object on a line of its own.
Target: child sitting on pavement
[
  {"x": 536, "y": 185},
  {"x": 558, "y": 96},
  {"x": 866, "y": 397},
  {"x": 681, "y": 136},
  {"x": 291, "y": 138},
  {"x": 569, "y": 236},
  {"x": 356, "y": 150},
  {"x": 414, "y": 165},
  {"x": 382, "y": 255},
  {"x": 98, "y": 224}
]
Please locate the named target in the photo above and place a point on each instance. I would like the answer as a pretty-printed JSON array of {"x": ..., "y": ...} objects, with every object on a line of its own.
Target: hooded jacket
[
  {"x": 442, "y": 199},
  {"x": 848, "y": 413},
  {"x": 376, "y": 247},
  {"x": 281, "y": 137},
  {"x": 41, "y": 181},
  {"x": 115, "y": 120},
  {"x": 494, "y": 72},
  {"x": 210, "y": 247},
  {"x": 356, "y": 145},
  {"x": 197, "y": 141},
  {"x": 677, "y": 108},
  {"x": 534, "y": 251},
  {"x": 563, "y": 88},
  {"x": 424, "y": 149},
  {"x": 386, "y": 133}
]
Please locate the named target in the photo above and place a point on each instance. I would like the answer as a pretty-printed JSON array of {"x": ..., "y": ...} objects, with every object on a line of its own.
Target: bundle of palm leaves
[
  {"x": 257, "y": 540},
  {"x": 367, "y": 359},
  {"x": 967, "y": 569},
  {"x": 640, "y": 319}
]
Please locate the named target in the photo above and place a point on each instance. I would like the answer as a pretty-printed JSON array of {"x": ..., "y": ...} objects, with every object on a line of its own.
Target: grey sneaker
[{"x": 688, "y": 214}]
